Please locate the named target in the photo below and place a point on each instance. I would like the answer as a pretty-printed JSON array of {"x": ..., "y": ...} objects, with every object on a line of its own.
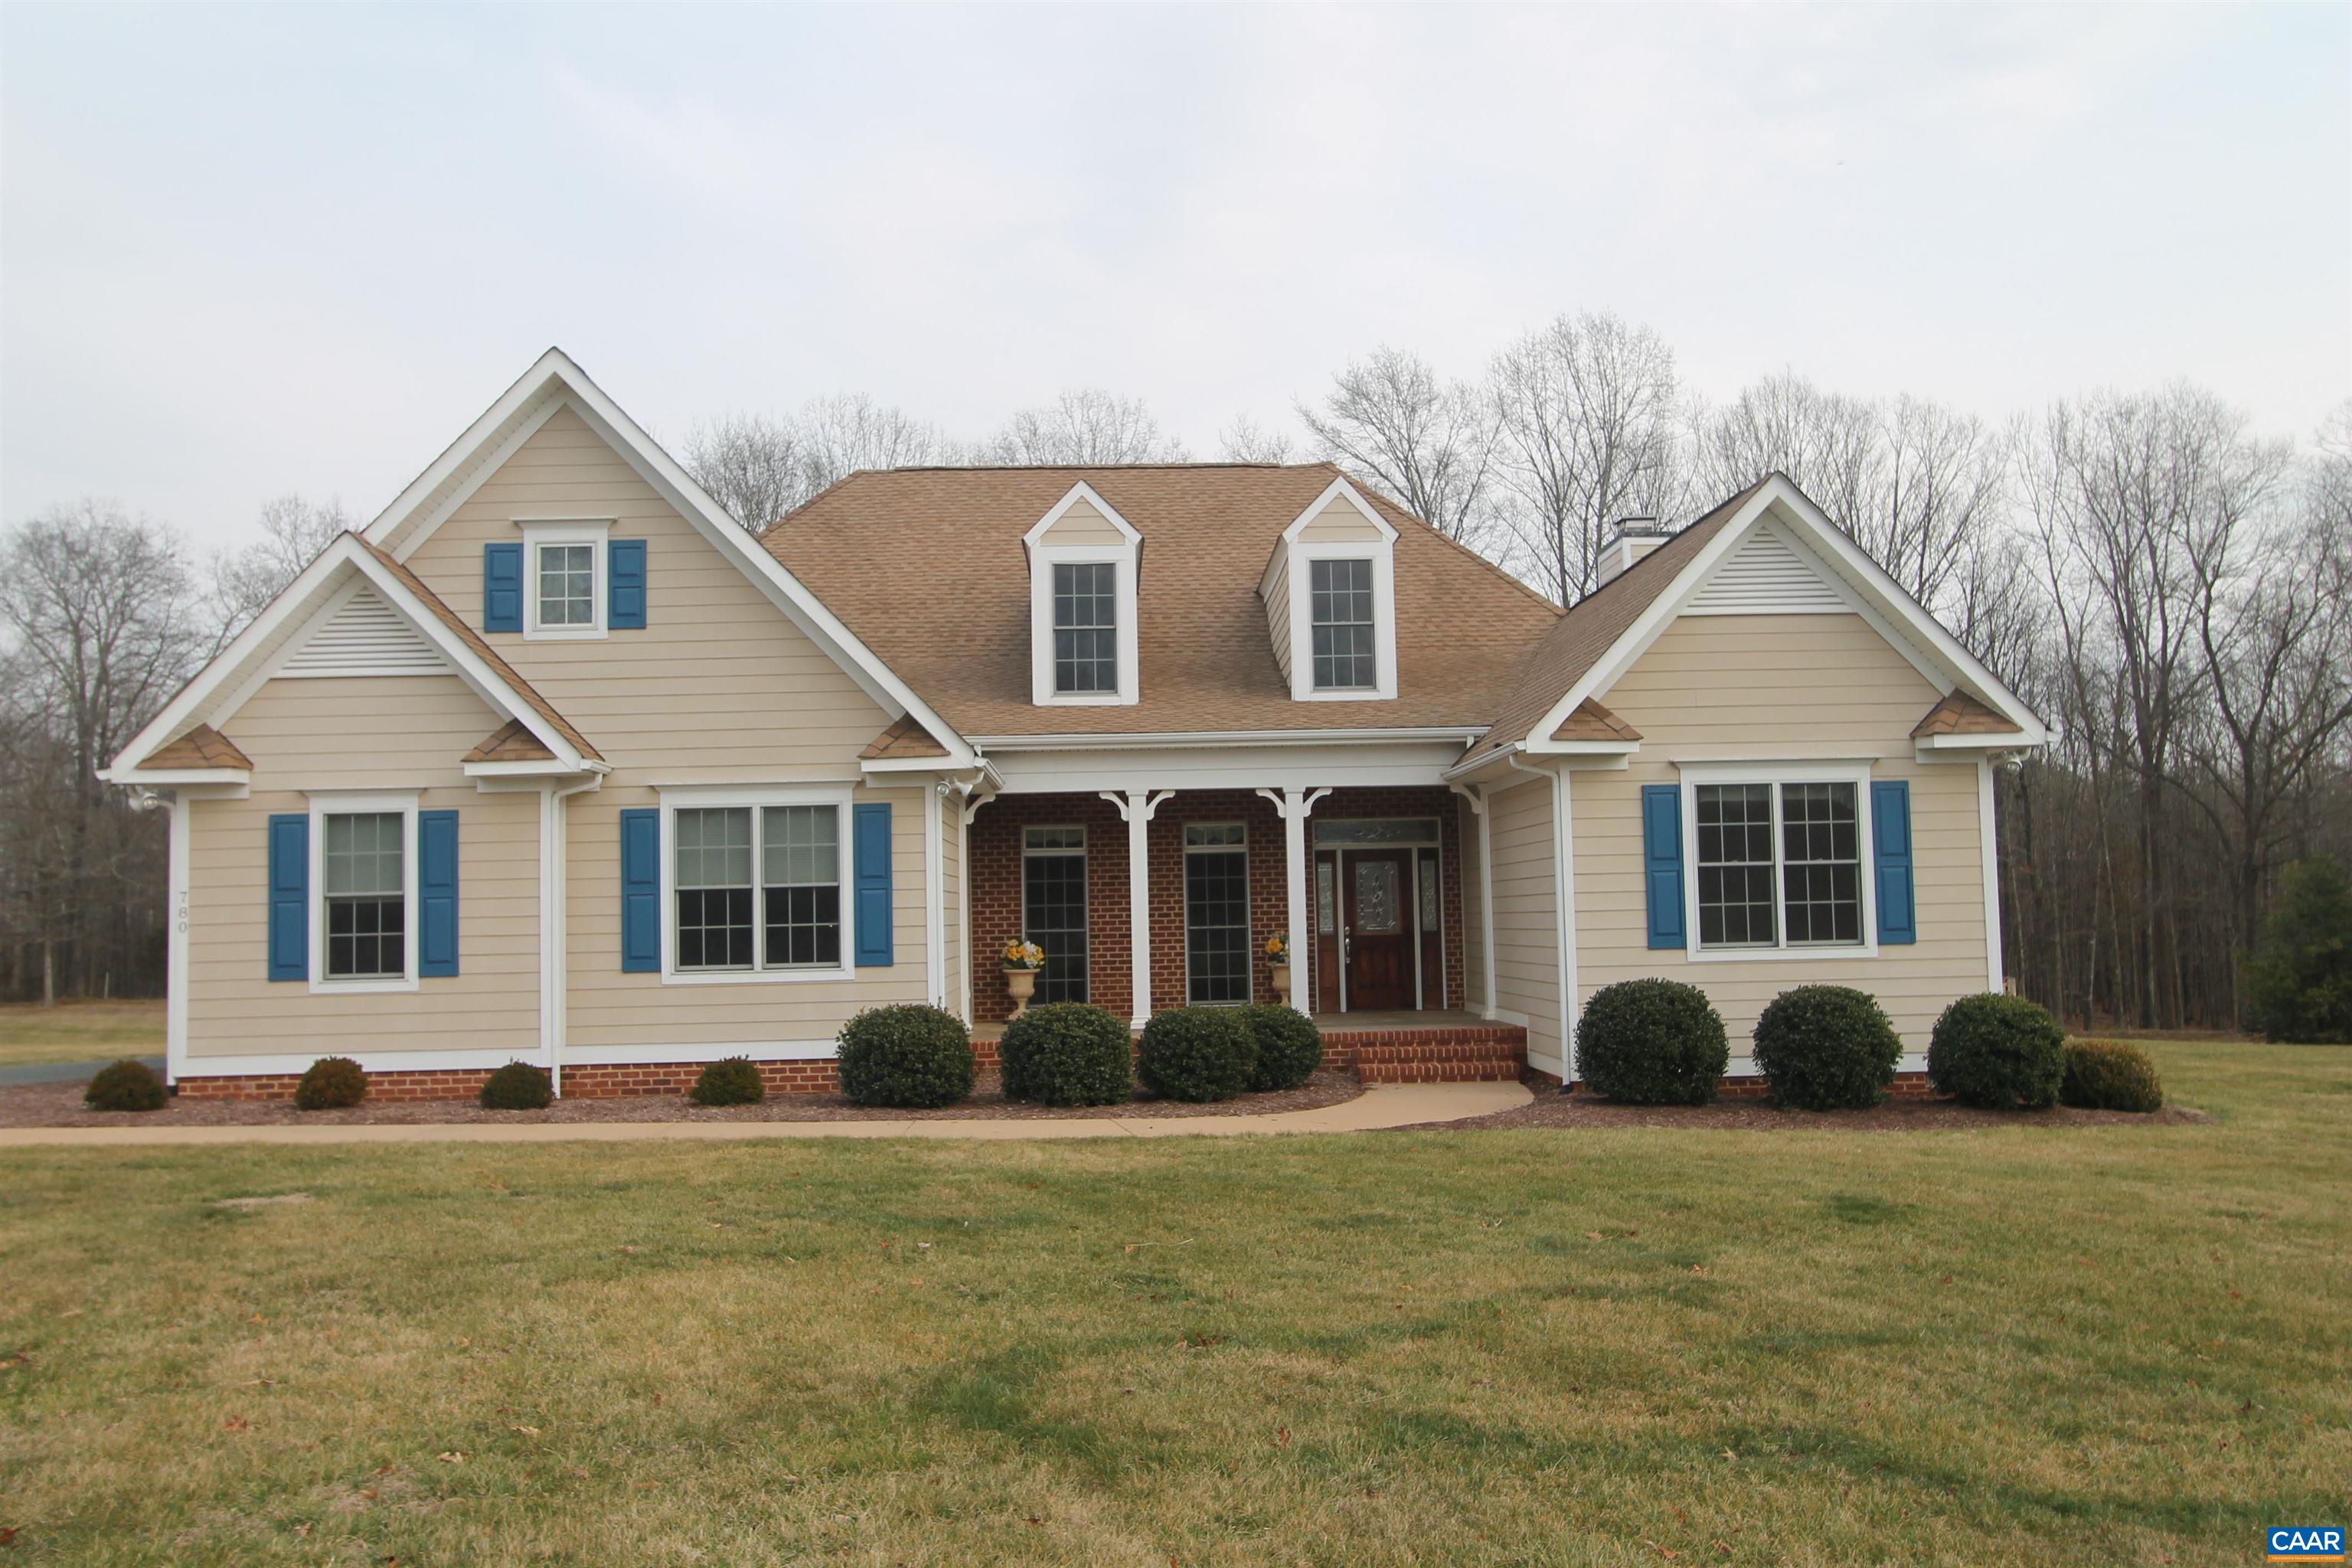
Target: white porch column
[
  {"x": 1139, "y": 806},
  {"x": 973, "y": 799},
  {"x": 1294, "y": 805},
  {"x": 1476, "y": 796}
]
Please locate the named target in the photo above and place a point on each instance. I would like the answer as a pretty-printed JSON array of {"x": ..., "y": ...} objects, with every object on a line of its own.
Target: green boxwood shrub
[
  {"x": 731, "y": 1081},
  {"x": 2299, "y": 976},
  {"x": 1651, "y": 1042},
  {"x": 1197, "y": 1053},
  {"x": 330, "y": 1083},
  {"x": 1997, "y": 1053},
  {"x": 2109, "y": 1075},
  {"x": 1068, "y": 1053},
  {"x": 517, "y": 1085},
  {"x": 128, "y": 1084},
  {"x": 909, "y": 1056},
  {"x": 1826, "y": 1047},
  {"x": 1289, "y": 1046}
]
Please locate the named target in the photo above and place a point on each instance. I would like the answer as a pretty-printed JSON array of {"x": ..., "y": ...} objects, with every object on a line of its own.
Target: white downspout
[
  {"x": 1563, "y": 873},
  {"x": 554, "y": 967}
]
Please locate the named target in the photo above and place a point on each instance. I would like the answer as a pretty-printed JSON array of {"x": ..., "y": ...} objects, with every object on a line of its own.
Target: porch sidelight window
[
  {"x": 367, "y": 910},
  {"x": 1086, "y": 627},
  {"x": 1346, "y": 639},
  {"x": 1053, "y": 908},
  {"x": 1216, "y": 912},
  {"x": 1780, "y": 865}
]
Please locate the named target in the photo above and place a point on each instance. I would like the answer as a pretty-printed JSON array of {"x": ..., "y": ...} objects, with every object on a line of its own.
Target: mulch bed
[
  {"x": 1908, "y": 1113},
  {"x": 59, "y": 1105}
]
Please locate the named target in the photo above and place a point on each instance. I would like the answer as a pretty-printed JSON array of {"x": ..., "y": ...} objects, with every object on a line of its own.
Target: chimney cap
[{"x": 1642, "y": 525}]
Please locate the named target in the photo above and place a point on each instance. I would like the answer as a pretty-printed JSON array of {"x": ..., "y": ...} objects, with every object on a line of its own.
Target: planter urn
[
  {"x": 1023, "y": 984},
  {"x": 1279, "y": 973}
]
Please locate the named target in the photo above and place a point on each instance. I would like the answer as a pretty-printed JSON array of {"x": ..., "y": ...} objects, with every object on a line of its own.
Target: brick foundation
[{"x": 1907, "y": 1086}]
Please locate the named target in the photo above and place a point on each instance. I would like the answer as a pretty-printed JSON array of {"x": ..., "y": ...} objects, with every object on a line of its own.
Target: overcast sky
[{"x": 245, "y": 251}]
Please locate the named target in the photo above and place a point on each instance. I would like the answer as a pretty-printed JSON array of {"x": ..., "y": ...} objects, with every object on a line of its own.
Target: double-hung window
[
  {"x": 564, "y": 568},
  {"x": 1346, "y": 635},
  {"x": 365, "y": 887},
  {"x": 1053, "y": 908},
  {"x": 1086, "y": 627},
  {"x": 756, "y": 887},
  {"x": 1216, "y": 912},
  {"x": 1778, "y": 864}
]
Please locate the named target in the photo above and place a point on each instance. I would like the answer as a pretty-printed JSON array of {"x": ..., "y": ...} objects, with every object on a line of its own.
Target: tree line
[{"x": 2162, "y": 582}]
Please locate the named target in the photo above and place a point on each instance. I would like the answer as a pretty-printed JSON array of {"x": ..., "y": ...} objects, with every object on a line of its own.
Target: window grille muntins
[
  {"x": 1217, "y": 956},
  {"x": 366, "y": 903},
  {"x": 1053, "y": 908},
  {"x": 1085, "y": 627},
  {"x": 567, "y": 584},
  {"x": 1346, "y": 633},
  {"x": 1778, "y": 865}
]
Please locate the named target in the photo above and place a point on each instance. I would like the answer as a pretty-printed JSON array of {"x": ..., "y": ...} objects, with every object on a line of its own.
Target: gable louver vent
[
  {"x": 1766, "y": 576},
  {"x": 366, "y": 636}
]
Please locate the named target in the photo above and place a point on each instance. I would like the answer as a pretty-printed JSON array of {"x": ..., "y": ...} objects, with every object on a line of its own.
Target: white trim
[
  {"x": 1136, "y": 808},
  {"x": 1894, "y": 614},
  {"x": 1776, "y": 774},
  {"x": 362, "y": 803},
  {"x": 303, "y": 660},
  {"x": 1990, "y": 843},
  {"x": 1452, "y": 734},
  {"x": 756, "y": 798},
  {"x": 1294, "y": 804},
  {"x": 538, "y": 533},
  {"x": 1302, "y": 627},
  {"x": 557, "y": 380},
  {"x": 1476, "y": 797},
  {"x": 1236, "y": 768},
  {"x": 176, "y": 983},
  {"x": 1564, "y": 890},
  {"x": 289, "y": 1062},
  {"x": 935, "y": 911},
  {"x": 1125, "y": 559}
]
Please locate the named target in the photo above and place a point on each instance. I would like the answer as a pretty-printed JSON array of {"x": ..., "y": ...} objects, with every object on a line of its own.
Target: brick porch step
[{"x": 1479, "y": 1053}]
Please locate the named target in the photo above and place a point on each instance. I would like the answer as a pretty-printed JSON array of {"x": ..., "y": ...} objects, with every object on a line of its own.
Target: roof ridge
[{"x": 1383, "y": 498}]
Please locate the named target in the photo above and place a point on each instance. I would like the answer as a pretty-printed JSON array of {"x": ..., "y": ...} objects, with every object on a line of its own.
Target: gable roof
[
  {"x": 224, "y": 685},
  {"x": 510, "y": 742},
  {"x": 926, "y": 566},
  {"x": 201, "y": 747},
  {"x": 904, "y": 739},
  {"x": 556, "y": 382},
  {"x": 1592, "y": 721},
  {"x": 1958, "y": 713},
  {"x": 1609, "y": 627}
]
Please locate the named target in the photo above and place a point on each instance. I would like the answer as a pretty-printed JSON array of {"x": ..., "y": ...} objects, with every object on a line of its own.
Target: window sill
[
  {"x": 361, "y": 988},
  {"x": 1345, "y": 694},
  {"x": 754, "y": 976},
  {"x": 563, "y": 634},
  {"x": 1779, "y": 955}
]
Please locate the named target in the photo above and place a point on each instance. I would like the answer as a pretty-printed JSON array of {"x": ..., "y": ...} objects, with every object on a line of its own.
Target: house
[{"x": 555, "y": 762}]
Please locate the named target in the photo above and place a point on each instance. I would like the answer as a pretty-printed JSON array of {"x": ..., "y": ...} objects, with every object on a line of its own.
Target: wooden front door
[{"x": 1376, "y": 928}]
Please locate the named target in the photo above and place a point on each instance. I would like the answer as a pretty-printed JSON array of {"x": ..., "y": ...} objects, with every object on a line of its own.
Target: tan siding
[
  {"x": 1084, "y": 524},
  {"x": 376, "y": 733},
  {"x": 1527, "y": 936},
  {"x": 1277, "y": 614},
  {"x": 1338, "y": 521},
  {"x": 718, "y": 687},
  {"x": 609, "y": 1009},
  {"x": 1782, "y": 686},
  {"x": 1473, "y": 903}
]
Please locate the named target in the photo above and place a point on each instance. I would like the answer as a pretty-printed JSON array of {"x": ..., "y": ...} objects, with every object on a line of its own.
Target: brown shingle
[
  {"x": 201, "y": 747},
  {"x": 907, "y": 738},
  {"x": 1592, "y": 721},
  {"x": 484, "y": 652},
  {"x": 1961, "y": 714},
  {"x": 1592, "y": 627},
  {"x": 926, "y": 566},
  {"x": 510, "y": 743}
]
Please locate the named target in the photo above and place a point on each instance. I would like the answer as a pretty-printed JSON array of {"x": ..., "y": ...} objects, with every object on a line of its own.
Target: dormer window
[
  {"x": 1084, "y": 559},
  {"x": 1331, "y": 600},
  {"x": 1347, "y": 637},
  {"x": 1086, "y": 627}
]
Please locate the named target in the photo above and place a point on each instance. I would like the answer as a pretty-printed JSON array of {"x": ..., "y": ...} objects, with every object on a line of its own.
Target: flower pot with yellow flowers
[
  {"x": 1277, "y": 965},
  {"x": 1023, "y": 960}
]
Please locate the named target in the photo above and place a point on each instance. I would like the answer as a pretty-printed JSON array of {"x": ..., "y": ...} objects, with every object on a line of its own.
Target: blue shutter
[
  {"x": 1661, "y": 863},
  {"x": 502, "y": 587},
  {"x": 436, "y": 892},
  {"x": 289, "y": 897},
  {"x": 641, "y": 892},
  {"x": 624, "y": 585},
  {"x": 1890, "y": 833},
  {"x": 872, "y": 839}
]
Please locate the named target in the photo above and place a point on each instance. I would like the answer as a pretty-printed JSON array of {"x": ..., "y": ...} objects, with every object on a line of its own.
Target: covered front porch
[{"x": 1150, "y": 899}]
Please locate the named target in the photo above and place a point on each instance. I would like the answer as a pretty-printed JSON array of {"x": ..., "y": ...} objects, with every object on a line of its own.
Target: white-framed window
[
  {"x": 1054, "y": 907},
  {"x": 1084, "y": 562},
  {"x": 753, "y": 884},
  {"x": 1217, "y": 954},
  {"x": 563, "y": 578},
  {"x": 363, "y": 891},
  {"x": 1342, "y": 626},
  {"x": 1335, "y": 573},
  {"x": 1776, "y": 859}
]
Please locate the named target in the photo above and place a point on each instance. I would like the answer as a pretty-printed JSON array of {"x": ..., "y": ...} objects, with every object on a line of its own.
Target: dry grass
[
  {"x": 79, "y": 1031},
  {"x": 2014, "y": 1344}
]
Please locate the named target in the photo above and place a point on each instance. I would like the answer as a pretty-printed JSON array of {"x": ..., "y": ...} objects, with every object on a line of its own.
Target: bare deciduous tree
[
  {"x": 754, "y": 465},
  {"x": 1244, "y": 440},
  {"x": 293, "y": 531},
  {"x": 1391, "y": 422},
  {"x": 1084, "y": 426},
  {"x": 1585, "y": 411}
]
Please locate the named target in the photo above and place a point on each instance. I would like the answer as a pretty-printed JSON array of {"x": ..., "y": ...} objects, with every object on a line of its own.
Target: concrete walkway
[
  {"x": 1380, "y": 1105},
  {"x": 67, "y": 1072}
]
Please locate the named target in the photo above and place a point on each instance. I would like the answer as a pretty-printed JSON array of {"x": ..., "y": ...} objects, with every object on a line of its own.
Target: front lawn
[
  {"x": 1606, "y": 1345},
  {"x": 79, "y": 1031}
]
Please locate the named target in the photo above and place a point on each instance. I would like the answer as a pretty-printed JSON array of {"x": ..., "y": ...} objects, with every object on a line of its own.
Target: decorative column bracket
[{"x": 1137, "y": 807}]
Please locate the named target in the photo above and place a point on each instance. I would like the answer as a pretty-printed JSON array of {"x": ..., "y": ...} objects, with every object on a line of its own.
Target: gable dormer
[
  {"x": 1083, "y": 560},
  {"x": 1331, "y": 600}
]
